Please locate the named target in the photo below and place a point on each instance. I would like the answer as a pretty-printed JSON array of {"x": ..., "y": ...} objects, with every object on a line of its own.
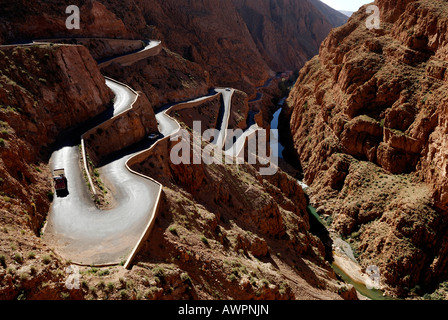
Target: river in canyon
[{"x": 343, "y": 266}]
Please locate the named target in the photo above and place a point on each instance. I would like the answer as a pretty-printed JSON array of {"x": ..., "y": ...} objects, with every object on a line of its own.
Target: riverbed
[{"x": 347, "y": 269}]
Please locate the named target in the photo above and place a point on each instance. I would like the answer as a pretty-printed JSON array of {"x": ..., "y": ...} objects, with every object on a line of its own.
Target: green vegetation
[
  {"x": 185, "y": 278},
  {"x": 18, "y": 258},
  {"x": 24, "y": 276},
  {"x": 33, "y": 270},
  {"x": 10, "y": 109},
  {"x": 110, "y": 286},
  {"x": 265, "y": 283},
  {"x": 50, "y": 196},
  {"x": 101, "y": 285},
  {"x": 92, "y": 270},
  {"x": 232, "y": 277},
  {"x": 46, "y": 259},
  {"x": 65, "y": 295},
  {"x": 124, "y": 294},
  {"x": 158, "y": 272},
  {"x": 204, "y": 240},
  {"x": 104, "y": 272},
  {"x": 3, "y": 260},
  {"x": 11, "y": 270},
  {"x": 173, "y": 230}
]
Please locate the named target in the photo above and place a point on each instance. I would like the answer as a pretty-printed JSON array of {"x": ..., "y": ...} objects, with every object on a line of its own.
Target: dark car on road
[{"x": 60, "y": 182}]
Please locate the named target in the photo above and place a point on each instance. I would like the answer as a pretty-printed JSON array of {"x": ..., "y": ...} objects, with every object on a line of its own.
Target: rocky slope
[
  {"x": 368, "y": 122},
  {"x": 34, "y": 86},
  {"x": 225, "y": 221},
  {"x": 239, "y": 43},
  {"x": 164, "y": 78},
  {"x": 44, "y": 90},
  {"x": 336, "y": 18},
  {"x": 21, "y": 20},
  {"x": 287, "y": 33},
  {"x": 250, "y": 233}
]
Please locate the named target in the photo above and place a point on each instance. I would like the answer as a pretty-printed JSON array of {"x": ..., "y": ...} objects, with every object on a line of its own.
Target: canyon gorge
[
  {"x": 367, "y": 119},
  {"x": 363, "y": 124}
]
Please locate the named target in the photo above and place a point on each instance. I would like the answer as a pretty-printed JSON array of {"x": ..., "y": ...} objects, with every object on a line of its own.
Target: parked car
[{"x": 154, "y": 136}]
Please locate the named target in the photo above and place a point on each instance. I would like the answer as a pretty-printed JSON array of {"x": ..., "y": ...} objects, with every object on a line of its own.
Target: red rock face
[
  {"x": 240, "y": 43},
  {"x": 47, "y": 19},
  {"x": 287, "y": 33},
  {"x": 38, "y": 101},
  {"x": 212, "y": 45},
  {"x": 379, "y": 97}
]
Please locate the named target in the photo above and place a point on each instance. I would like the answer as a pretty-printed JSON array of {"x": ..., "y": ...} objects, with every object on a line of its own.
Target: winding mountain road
[
  {"x": 86, "y": 235},
  {"x": 227, "y": 100},
  {"x": 75, "y": 227},
  {"x": 151, "y": 48}
]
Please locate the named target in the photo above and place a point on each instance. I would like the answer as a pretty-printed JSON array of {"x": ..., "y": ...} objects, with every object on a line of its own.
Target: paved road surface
[{"x": 84, "y": 234}]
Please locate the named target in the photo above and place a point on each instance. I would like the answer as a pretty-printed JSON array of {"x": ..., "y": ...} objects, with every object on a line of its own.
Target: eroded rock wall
[{"x": 368, "y": 122}]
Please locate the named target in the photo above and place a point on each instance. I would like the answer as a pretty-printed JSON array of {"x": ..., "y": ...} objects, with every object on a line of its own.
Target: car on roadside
[
  {"x": 60, "y": 182},
  {"x": 154, "y": 136}
]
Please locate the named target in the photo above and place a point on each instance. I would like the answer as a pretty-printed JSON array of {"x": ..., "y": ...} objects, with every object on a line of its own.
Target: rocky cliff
[
  {"x": 44, "y": 90},
  {"x": 216, "y": 222},
  {"x": 368, "y": 121},
  {"x": 250, "y": 233},
  {"x": 21, "y": 20},
  {"x": 287, "y": 33},
  {"x": 240, "y": 43}
]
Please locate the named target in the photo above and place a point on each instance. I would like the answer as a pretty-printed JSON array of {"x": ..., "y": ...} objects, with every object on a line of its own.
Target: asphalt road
[
  {"x": 76, "y": 228},
  {"x": 227, "y": 100},
  {"x": 86, "y": 235}
]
